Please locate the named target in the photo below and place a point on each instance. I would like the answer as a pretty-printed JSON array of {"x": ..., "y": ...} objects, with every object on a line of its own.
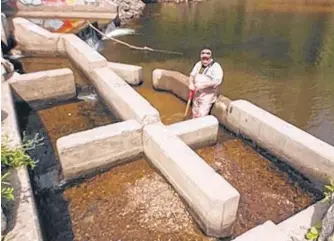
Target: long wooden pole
[{"x": 190, "y": 97}]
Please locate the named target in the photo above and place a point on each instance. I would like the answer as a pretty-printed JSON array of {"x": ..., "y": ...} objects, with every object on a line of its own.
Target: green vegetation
[
  {"x": 13, "y": 157},
  {"x": 314, "y": 231}
]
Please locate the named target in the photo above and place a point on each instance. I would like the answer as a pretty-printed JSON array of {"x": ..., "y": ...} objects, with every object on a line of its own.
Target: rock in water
[
  {"x": 3, "y": 222},
  {"x": 327, "y": 230}
]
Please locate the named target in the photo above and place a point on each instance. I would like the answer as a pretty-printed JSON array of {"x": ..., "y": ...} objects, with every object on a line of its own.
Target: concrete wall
[
  {"x": 301, "y": 150},
  {"x": 98, "y": 148},
  {"x": 41, "y": 88},
  {"x": 82, "y": 11},
  {"x": 297, "y": 225},
  {"x": 26, "y": 226},
  {"x": 82, "y": 54},
  {"x": 122, "y": 99},
  {"x": 132, "y": 74},
  {"x": 172, "y": 81},
  {"x": 70, "y": 15},
  {"x": 36, "y": 40},
  {"x": 309, "y": 155},
  {"x": 220, "y": 109},
  {"x": 197, "y": 133},
  {"x": 264, "y": 232},
  {"x": 211, "y": 199}
]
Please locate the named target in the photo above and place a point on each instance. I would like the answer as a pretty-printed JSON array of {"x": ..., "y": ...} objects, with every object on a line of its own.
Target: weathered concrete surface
[
  {"x": 309, "y": 155},
  {"x": 172, "y": 81},
  {"x": 197, "y": 133},
  {"x": 68, "y": 7},
  {"x": 132, "y": 74},
  {"x": 82, "y": 55},
  {"x": 102, "y": 147},
  {"x": 35, "y": 40},
  {"x": 220, "y": 109},
  {"x": 71, "y": 15},
  {"x": 43, "y": 87},
  {"x": 267, "y": 231},
  {"x": 297, "y": 226},
  {"x": 26, "y": 226},
  {"x": 82, "y": 11},
  {"x": 122, "y": 99},
  {"x": 212, "y": 200}
]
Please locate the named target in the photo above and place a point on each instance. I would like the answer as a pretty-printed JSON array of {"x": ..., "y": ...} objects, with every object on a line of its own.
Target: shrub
[{"x": 13, "y": 158}]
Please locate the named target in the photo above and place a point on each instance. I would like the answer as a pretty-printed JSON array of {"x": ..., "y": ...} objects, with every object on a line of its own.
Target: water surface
[{"x": 277, "y": 54}]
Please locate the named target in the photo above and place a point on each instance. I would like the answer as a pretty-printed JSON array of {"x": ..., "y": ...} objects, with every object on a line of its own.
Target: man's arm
[{"x": 191, "y": 83}]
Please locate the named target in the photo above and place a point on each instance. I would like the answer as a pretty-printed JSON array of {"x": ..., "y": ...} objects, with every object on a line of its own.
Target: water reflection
[{"x": 280, "y": 60}]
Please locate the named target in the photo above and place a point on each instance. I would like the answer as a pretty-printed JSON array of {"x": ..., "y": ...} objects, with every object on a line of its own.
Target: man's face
[{"x": 206, "y": 56}]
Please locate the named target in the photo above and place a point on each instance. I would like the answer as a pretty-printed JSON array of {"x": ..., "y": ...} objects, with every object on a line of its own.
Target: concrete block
[
  {"x": 72, "y": 15},
  {"x": 298, "y": 225},
  {"x": 88, "y": 151},
  {"x": 122, "y": 99},
  {"x": 26, "y": 226},
  {"x": 197, "y": 133},
  {"x": 309, "y": 155},
  {"x": 79, "y": 11},
  {"x": 36, "y": 40},
  {"x": 9, "y": 122},
  {"x": 45, "y": 86},
  {"x": 132, "y": 74},
  {"x": 172, "y": 81},
  {"x": 86, "y": 58},
  {"x": 213, "y": 202},
  {"x": 220, "y": 110},
  {"x": 264, "y": 232}
]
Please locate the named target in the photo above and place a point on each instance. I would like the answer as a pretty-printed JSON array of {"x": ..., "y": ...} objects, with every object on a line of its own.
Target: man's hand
[{"x": 191, "y": 85}]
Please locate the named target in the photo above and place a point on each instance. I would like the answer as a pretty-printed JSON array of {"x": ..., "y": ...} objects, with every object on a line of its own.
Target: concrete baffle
[
  {"x": 102, "y": 147},
  {"x": 172, "y": 81},
  {"x": 86, "y": 58},
  {"x": 306, "y": 153},
  {"x": 132, "y": 74},
  {"x": 36, "y": 40},
  {"x": 122, "y": 99},
  {"x": 213, "y": 202},
  {"x": 40, "y": 88},
  {"x": 197, "y": 133}
]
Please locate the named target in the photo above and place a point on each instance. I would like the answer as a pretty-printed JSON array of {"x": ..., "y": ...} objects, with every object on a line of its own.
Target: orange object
[{"x": 190, "y": 97}]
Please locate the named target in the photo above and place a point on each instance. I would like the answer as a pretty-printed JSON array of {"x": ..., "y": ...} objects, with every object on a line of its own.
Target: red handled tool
[{"x": 190, "y": 97}]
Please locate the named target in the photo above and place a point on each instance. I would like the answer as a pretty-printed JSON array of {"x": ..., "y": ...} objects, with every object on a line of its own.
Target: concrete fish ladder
[
  {"x": 309, "y": 155},
  {"x": 85, "y": 152}
]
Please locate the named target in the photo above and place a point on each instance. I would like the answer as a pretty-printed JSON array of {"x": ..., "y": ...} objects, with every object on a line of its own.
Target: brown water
[
  {"x": 267, "y": 192},
  {"x": 277, "y": 54},
  {"x": 129, "y": 202},
  {"x": 53, "y": 123},
  {"x": 49, "y": 63}
]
